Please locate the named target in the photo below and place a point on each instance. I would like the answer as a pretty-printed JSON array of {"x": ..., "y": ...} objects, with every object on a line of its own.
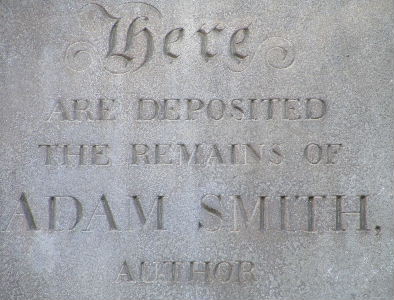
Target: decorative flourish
[
  {"x": 80, "y": 55},
  {"x": 280, "y": 52},
  {"x": 126, "y": 36}
]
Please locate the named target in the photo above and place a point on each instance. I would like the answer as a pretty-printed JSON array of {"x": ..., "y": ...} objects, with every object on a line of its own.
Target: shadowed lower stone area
[{"x": 196, "y": 150}]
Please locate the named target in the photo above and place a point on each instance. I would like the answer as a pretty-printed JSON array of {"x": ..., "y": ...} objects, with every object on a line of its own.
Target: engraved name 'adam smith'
[{"x": 213, "y": 213}]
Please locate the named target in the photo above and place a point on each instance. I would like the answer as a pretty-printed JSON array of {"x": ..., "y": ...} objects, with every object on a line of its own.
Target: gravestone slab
[{"x": 218, "y": 150}]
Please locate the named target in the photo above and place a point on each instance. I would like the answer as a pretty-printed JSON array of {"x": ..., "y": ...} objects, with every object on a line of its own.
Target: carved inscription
[
  {"x": 205, "y": 154},
  {"x": 278, "y": 213},
  {"x": 233, "y": 213},
  {"x": 184, "y": 154},
  {"x": 244, "y": 182},
  {"x": 193, "y": 109},
  {"x": 187, "y": 272},
  {"x": 83, "y": 110},
  {"x": 134, "y": 31},
  {"x": 190, "y": 109},
  {"x": 76, "y": 155},
  {"x": 234, "y": 109}
]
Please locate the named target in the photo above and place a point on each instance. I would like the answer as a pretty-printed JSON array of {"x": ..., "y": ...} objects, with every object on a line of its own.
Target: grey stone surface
[{"x": 216, "y": 150}]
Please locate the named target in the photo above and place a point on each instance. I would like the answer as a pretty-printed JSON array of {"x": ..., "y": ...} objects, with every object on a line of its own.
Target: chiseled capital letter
[
  {"x": 143, "y": 217},
  {"x": 361, "y": 213},
  {"x": 53, "y": 211},
  {"x": 26, "y": 213},
  {"x": 106, "y": 212},
  {"x": 257, "y": 213}
]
